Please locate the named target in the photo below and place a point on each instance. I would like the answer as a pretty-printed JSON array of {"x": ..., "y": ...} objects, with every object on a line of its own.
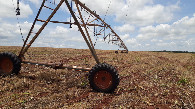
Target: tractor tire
[
  {"x": 103, "y": 78},
  {"x": 10, "y": 64}
]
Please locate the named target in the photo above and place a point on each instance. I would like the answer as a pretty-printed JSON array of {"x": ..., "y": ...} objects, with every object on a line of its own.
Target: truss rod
[
  {"x": 54, "y": 21},
  {"x": 70, "y": 23},
  {"x": 43, "y": 26},
  {"x": 92, "y": 20},
  {"x": 93, "y": 25},
  {"x": 84, "y": 25},
  {"x": 48, "y": 7}
]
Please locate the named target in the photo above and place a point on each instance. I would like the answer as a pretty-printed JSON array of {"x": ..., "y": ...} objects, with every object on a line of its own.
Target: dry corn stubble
[{"x": 148, "y": 80}]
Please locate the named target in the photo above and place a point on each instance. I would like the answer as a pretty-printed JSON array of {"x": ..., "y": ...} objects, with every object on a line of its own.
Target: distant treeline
[{"x": 174, "y": 51}]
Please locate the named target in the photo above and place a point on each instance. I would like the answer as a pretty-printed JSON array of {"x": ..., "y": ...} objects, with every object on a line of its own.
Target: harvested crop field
[{"x": 147, "y": 80}]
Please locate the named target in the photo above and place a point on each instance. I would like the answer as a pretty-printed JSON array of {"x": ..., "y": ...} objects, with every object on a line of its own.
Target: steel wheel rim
[
  {"x": 103, "y": 79},
  {"x": 6, "y": 65}
]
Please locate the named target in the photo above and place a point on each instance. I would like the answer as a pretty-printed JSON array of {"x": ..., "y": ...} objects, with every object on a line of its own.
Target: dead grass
[{"x": 147, "y": 80}]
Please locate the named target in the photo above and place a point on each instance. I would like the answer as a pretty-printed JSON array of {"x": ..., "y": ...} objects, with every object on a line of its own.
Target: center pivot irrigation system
[{"x": 102, "y": 77}]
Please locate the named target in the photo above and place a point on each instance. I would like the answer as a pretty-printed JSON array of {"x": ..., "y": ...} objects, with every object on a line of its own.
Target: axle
[{"x": 57, "y": 66}]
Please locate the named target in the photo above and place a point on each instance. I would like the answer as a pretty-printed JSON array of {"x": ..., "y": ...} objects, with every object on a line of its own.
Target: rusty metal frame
[
  {"x": 85, "y": 34},
  {"x": 104, "y": 24},
  {"x": 84, "y": 25},
  {"x": 21, "y": 55}
]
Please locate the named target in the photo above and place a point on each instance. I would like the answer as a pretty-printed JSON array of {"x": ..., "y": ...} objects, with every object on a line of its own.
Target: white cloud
[
  {"x": 139, "y": 3},
  {"x": 124, "y": 37},
  {"x": 11, "y": 32},
  {"x": 133, "y": 43},
  {"x": 101, "y": 6},
  {"x": 137, "y": 12},
  {"x": 178, "y": 30},
  {"x": 6, "y": 31},
  {"x": 66, "y": 33},
  {"x": 59, "y": 32},
  {"x": 126, "y": 28},
  {"x": 7, "y": 9},
  {"x": 144, "y": 12},
  {"x": 166, "y": 44},
  {"x": 176, "y": 45},
  {"x": 25, "y": 26},
  {"x": 176, "y": 36},
  {"x": 147, "y": 44}
]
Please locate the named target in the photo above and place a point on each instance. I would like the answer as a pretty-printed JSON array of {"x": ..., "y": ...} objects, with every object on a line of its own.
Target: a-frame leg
[{"x": 82, "y": 32}]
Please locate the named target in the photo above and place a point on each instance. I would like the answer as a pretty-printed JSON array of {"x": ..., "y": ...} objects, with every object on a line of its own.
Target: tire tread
[
  {"x": 16, "y": 61},
  {"x": 109, "y": 68}
]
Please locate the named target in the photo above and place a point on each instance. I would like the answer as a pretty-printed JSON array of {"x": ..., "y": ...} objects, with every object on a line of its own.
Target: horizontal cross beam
[{"x": 70, "y": 23}]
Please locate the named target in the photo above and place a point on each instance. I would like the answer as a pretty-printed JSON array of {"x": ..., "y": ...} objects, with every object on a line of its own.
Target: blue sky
[{"x": 143, "y": 25}]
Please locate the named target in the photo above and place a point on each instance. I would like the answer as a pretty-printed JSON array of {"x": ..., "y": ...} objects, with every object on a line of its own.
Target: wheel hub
[
  {"x": 6, "y": 65},
  {"x": 103, "y": 79}
]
